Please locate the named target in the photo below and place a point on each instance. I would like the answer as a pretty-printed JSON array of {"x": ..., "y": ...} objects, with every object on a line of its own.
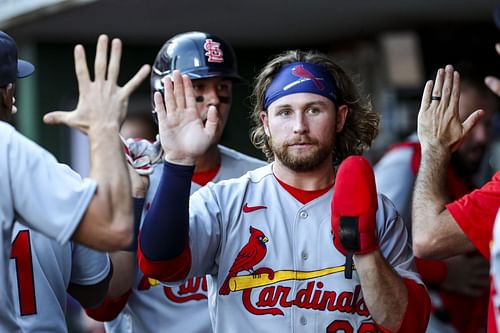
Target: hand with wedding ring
[{"x": 440, "y": 129}]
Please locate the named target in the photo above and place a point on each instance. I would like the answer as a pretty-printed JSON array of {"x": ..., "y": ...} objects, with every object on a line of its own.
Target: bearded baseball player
[
  {"x": 299, "y": 245},
  {"x": 149, "y": 306}
]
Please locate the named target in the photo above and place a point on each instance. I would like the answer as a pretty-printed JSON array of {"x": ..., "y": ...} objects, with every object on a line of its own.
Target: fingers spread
[
  {"x": 170, "y": 102},
  {"x": 447, "y": 85},
  {"x": 81, "y": 68},
  {"x": 101, "y": 58},
  {"x": 56, "y": 117},
  {"x": 426, "y": 96},
  {"x": 180, "y": 98},
  {"x": 455, "y": 93},
  {"x": 136, "y": 80},
  {"x": 493, "y": 83},
  {"x": 212, "y": 124},
  {"x": 159, "y": 106},
  {"x": 438, "y": 84},
  {"x": 189, "y": 91},
  {"x": 471, "y": 121},
  {"x": 114, "y": 60}
]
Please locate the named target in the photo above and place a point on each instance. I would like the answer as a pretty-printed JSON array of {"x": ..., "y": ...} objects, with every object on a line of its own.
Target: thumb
[
  {"x": 472, "y": 120},
  {"x": 56, "y": 117},
  {"x": 212, "y": 124}
]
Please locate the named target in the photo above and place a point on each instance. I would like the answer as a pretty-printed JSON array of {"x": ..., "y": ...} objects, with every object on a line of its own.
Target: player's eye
[
  {"x": 284, "y": 112},
  {"x": 313, "y": 110}
]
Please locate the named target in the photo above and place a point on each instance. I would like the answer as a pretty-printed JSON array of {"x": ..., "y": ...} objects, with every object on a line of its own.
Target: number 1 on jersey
[{"x": 21, "y": 253}]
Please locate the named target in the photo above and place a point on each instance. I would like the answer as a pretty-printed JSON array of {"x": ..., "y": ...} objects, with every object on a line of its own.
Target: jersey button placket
[
  {"x": 303, "y": 215},
  {"x": 303, "y": 321}
]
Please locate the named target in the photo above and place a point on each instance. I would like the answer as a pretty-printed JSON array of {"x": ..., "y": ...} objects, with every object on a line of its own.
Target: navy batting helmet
[{"x": 199, "y": 55}]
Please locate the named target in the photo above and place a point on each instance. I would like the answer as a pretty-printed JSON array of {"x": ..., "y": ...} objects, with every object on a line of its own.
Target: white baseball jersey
[
  {"x": 38, "y": 192},
  {"x": 153, "y": 307},
  {"x": 41, "y": 271},
  {"x": 308, "y": 292},
  {"x": 395, "y": 178}
]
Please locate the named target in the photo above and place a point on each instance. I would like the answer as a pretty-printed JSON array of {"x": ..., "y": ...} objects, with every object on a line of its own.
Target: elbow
[
  {"x": 424, "y": 246},
  {"x": 120, "y": 234}
]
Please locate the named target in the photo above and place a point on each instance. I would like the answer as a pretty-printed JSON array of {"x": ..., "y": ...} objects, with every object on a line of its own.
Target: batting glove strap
[{"x": 141, "y": 154}]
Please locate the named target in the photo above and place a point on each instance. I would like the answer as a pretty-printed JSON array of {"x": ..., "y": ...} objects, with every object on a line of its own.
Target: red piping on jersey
[
  {"x": 303, "y": 196},
  {"x": 417, "y": 311},
  {"x": 202, "y": 178},
  {"x": 166, "y": 270},
  {"x": 109, "y": 309}
]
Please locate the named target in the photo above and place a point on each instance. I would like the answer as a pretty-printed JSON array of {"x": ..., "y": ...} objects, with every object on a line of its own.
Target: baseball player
[
  {"x": 38, "y": 192},
  {"x": 460, "y": 284},
  {"x": 266, "y": 237},
  {"x": 442, "y": 230},
  {"x": 149, "y": 306}
]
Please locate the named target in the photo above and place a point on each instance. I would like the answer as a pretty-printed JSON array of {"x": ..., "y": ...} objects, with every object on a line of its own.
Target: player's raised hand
[
  {"x": 439, "y": 125},
  {"x": 493, "y": 82},
  {"x": 102, "y": 104},
  {"x": 184, "y": 135}
]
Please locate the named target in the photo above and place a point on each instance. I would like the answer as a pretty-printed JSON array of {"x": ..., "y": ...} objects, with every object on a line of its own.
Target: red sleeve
[
  {"x": 166, "y": 270},
  {"x": 475, "y": 214},
  {"x": 417, "y": 311},
  {"x": 431, "y": 271},
  {"x": 109, "y": 309}
]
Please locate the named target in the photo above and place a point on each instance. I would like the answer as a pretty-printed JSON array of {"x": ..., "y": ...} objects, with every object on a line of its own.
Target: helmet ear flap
[{"x": 199, "y": 55}]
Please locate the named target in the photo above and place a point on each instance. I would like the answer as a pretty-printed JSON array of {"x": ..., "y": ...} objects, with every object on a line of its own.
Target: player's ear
[
  {"x": 342, "y": 112},
  {"x": 265, "y": 121},
  {"x": 6, "y": 94}
]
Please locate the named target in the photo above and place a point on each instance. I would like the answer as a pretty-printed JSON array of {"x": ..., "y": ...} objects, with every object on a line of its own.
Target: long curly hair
[{"x": 361, "y": 125}]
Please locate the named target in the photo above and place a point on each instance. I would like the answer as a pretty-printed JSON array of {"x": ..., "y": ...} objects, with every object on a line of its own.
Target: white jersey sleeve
[
  {"x": 184, "y": 307},
  {"x": 41, "y": 270},
  {"x": 39, "y": 192},
  {"x": 244, "y": 231},
  {"x": 395, "y": 178},
  {"x": 46, "y": 195}
]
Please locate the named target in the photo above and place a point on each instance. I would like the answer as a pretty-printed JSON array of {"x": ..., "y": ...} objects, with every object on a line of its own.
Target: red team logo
[
  {"x": 214, "y": 53},
  {"x": 304, "y": 75},
  {"x": 249, "y": 256}
]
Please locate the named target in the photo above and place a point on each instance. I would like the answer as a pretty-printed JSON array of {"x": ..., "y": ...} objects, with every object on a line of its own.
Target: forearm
[
  {"x": 384, "y": 291},
  {"x": 429, "y": 198},
  {"x": 165, "y": 230},
  {"x": 107, "y": 223},
  {"x": 124, "y": 263}
]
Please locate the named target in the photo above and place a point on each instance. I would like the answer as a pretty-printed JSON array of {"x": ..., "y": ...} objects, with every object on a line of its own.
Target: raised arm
[
  {"x": 163, "y": 245},
  {"x": 435, "y": 233},
  {"x": 102, "y": 106}
]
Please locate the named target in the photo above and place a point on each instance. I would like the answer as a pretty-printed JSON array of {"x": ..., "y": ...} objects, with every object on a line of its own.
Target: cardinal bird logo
[
  {"x": 304, "y": 75},
  {"x": 249, "y": 256}
]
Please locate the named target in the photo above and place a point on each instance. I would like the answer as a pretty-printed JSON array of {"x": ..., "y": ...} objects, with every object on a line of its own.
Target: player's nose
[
  {"x": 300, "y": 123},
  {"x": 211, "y": 97}
]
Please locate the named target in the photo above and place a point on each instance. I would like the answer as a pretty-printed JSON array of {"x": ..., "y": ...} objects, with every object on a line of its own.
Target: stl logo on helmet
[{"x": 214, "y": 53}]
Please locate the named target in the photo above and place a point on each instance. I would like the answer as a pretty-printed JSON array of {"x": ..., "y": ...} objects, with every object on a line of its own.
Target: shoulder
[
  {"x": 259, "y": 176},
  {"x": 231, "y": 154}
]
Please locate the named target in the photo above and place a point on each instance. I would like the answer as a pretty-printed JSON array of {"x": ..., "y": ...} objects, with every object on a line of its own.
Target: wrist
[{"x": 179, "y": 160}]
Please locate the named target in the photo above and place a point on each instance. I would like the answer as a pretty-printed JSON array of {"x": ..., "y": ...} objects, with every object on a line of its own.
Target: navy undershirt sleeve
[
  {"x": 165, "y": 230},
  {"x": 138, "y": 204}
]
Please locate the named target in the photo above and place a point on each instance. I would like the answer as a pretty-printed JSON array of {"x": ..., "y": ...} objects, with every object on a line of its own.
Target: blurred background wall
[{"x": 391, "y": 47}]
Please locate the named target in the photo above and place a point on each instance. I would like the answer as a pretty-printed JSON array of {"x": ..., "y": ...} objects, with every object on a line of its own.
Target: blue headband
[{"x": 300, "y": 77}]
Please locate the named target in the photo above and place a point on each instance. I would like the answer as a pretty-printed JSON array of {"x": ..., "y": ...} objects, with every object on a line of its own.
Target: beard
[
  {"x": 302, "y": 161},
  {"x": 467, "y": 161}
]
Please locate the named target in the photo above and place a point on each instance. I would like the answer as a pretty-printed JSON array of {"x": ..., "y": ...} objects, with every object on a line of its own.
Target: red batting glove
[{"x": 354, "y": 205}]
